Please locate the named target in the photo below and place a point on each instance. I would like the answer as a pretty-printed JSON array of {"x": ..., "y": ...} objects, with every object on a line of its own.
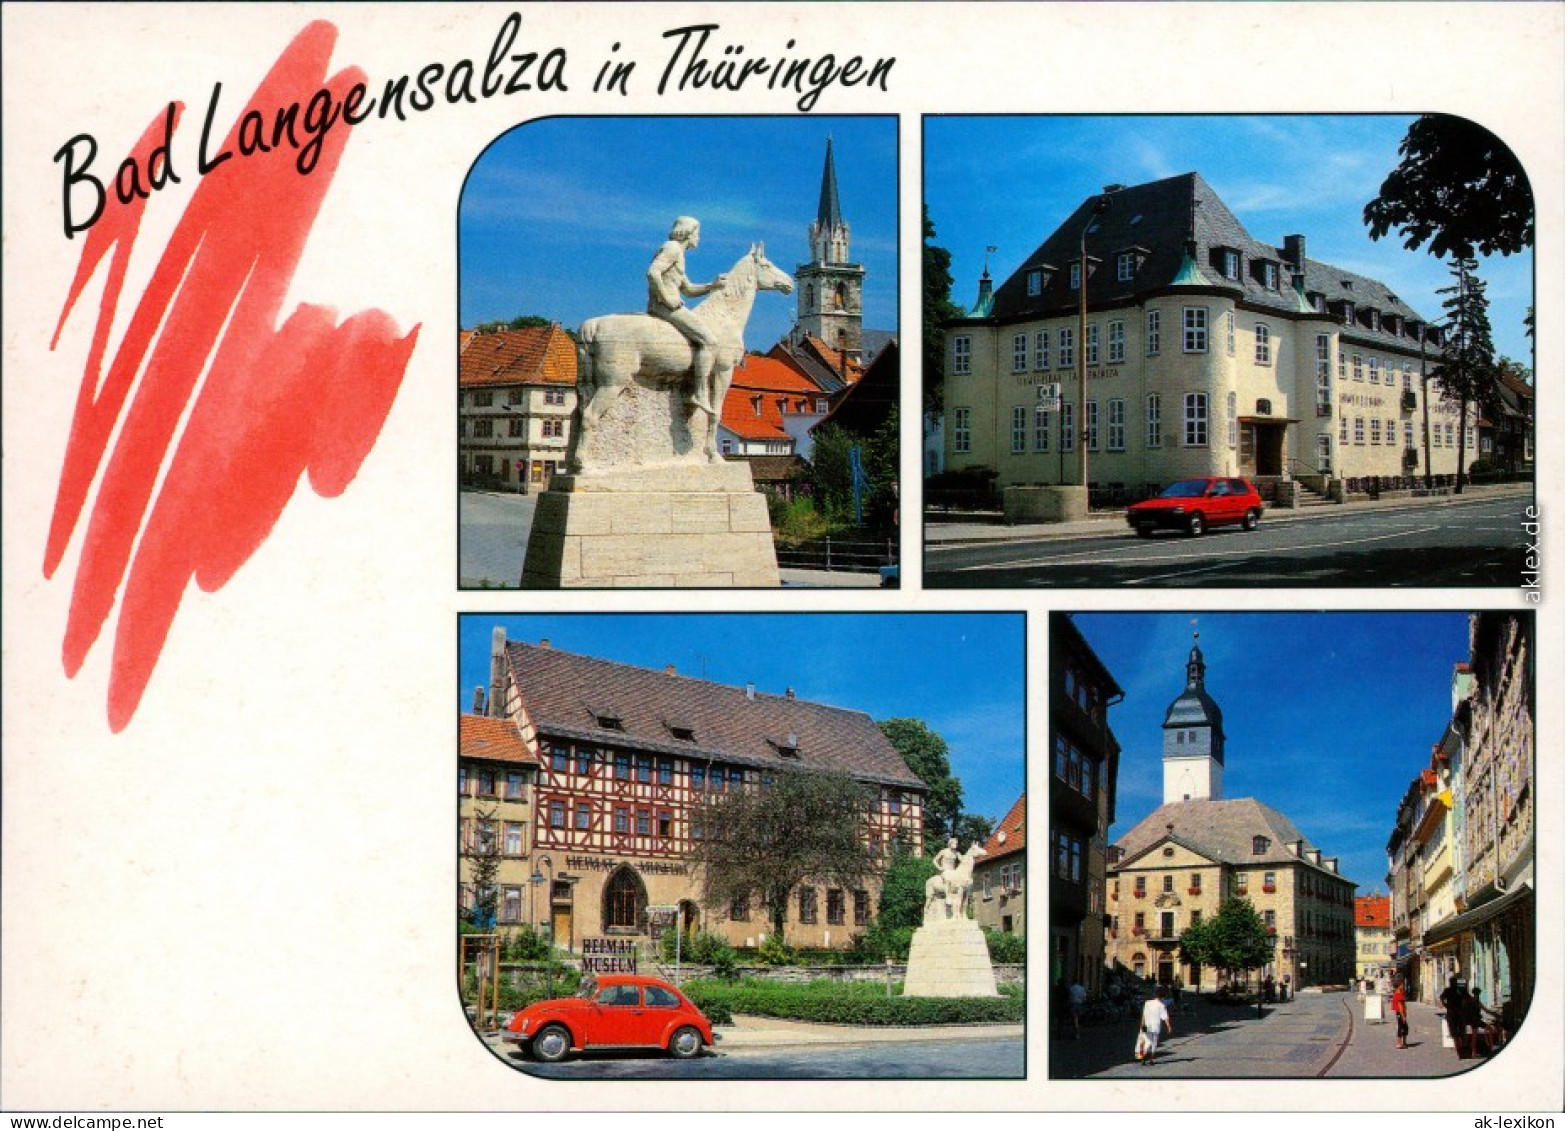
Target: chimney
[
  {"x": 749, "y": 691},
  {"x": 478, "y": 699},
  {"x": 789, "y": 693},
  {"x": 544, "y": 643},
  {"x": 668, "y": 669},
  {"x": 496, "y": 702},
  {"x": 1293, "y": 251}
]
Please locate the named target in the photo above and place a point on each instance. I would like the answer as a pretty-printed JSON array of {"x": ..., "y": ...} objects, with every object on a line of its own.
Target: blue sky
[
  {"x": 561, "y": 217},
  {"x": 961, "y": 673},
  {"x": 1329, "y": 716},
  {"x": 1009, "y": 181}
]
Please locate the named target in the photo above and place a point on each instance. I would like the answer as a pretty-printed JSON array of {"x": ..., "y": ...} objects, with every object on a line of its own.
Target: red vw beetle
[
  {"x": 614, "y": 1011},
  {"x": 1192, "y": 505}
]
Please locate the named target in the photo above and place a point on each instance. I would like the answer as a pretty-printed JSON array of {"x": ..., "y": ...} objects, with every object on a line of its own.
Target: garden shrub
[{"x": 856, "y": 1003}]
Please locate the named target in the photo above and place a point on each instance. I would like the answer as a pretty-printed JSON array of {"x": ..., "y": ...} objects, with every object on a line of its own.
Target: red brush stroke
[{"x": 309, "y": 396}]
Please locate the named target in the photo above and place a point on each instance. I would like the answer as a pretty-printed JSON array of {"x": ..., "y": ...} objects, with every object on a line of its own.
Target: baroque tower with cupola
[
  {"x": 830, "y": 285},
  {"x": 1193, "y": 739}
]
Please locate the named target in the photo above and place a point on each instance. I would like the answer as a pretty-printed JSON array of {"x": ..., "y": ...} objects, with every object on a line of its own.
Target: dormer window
[
  {"x": 786, "y": 745},
  {"x": 1269, "y": 275},
  {"x": 1259, "y": 845},
  {"x": 1317, "y": 302},
  {"x": 610, "y": 721},
  {"x": 682, "y": 731},
  {"x": 1076, "y": 276},
  {"x": 1034, "y": 282},
  {"x": 1125, "y": 266},
  {"x": 1374, "y": 319},
  {"x": 1348, "y": 315}
]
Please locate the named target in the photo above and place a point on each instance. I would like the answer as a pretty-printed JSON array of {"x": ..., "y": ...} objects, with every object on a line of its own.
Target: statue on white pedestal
[
  {"x": 945, "y": 893},
  {"x": 695, "y": 347}
]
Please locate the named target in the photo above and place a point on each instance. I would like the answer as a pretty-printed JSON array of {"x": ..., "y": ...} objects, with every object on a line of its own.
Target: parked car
[
  {"x": 1192, "y": 505},
  {"x": 627, "y": 1011}
]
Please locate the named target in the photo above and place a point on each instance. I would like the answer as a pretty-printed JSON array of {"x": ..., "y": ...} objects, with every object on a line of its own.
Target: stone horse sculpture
[
  {"x": 948, "y": 890},
  {"x": 617, "y": 349}
]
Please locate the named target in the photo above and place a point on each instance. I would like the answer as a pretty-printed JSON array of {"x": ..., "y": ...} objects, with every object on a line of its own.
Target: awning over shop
[{"x": 1478, "y": 916}]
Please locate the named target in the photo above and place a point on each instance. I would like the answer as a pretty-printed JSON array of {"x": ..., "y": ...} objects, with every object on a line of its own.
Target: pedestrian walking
[
  {"x": 1453, "y": 999},
  {"x": 1154, "y": 1019},
  {"x": 1078, "y": 1003},
  {"x": 1399, "y": 1007}
]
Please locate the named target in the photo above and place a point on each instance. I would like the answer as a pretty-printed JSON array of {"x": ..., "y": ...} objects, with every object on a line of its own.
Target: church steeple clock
[
  {"x": 1193, "y": 738},
  {"x": 830, "y": 286}
]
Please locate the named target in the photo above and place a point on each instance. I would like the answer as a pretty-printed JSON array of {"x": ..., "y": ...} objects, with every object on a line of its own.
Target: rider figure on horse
[{"x": 667, "y": 287}]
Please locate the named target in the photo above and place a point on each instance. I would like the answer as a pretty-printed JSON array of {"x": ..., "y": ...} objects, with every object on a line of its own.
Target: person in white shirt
[{"x": 1154, "y": 1019}]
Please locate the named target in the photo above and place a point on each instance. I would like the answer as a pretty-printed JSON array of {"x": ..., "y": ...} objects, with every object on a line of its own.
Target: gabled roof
[
  {"x": 1010, "y": 835},
  {"x": 1223, "y": 831},
  {"x": 1372, "y": 911},
  {"x": 566, "y": 694},
  {"x": 537, "y": 355},
  {"x": 867, "y": 404},
  {"x": 492, "y": 739},
  {"x": 1157, "y": 222}
]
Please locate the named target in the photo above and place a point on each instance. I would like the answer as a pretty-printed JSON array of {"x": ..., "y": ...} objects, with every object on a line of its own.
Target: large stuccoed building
[
  {"x": 1207, "y": 352},
  {"x": 602, "y": 768}
]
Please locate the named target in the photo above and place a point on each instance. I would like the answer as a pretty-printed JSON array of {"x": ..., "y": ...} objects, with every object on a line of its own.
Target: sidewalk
[
  {"x": 750, "y": 1032},
  {"x": 991, "y": 528},
  {"x": 1312, "y": 1035}
]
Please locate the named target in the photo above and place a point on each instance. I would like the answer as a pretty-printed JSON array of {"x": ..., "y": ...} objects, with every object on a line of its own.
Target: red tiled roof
[
  {"x": 1372, "y": 911},
  {"x": 759, "y": 372},
  {"x": 537, "y": 355},
  {"x": 494, "y": 740},
  {"x": 772, "y": 382},
  {"x": 832, "y": 356},
  {"x": 1010, "y": 835}
]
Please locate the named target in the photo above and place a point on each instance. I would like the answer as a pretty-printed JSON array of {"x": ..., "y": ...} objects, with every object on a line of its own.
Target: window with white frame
[
  {"x": 1018, "y": 429},
  {"x": 1342, "y": 365},
  {"x": 1116, "y": 425},
  {"x": 1195, "y": 329},
  {"x": 1374, "y": 430},
  {"x": 1347, "y": 313},
  {"x": 1092, "y": 426},
  {"x": 1322, "y": 358},
  {"x": 1067, "y": 427},
  {"x": 1040, "y": 433},
  {"x": 1092, "y": 344},
  {"x": 1230, "y": 263},
  {"x": 1019, "y": 353},
  {"x": 1358, "y": 367},
  {"x": 1228, "y": 324},
  {"x": 1195, "y": 420},
  {"x": 1407, "y": 378},
  {"x": 1407, "y": 436},
  {"x": 961, "y": 355},
  {"x": 1358, "y": 430},
  {"x": 1374, "y": 371},
  {"x": 1067, "y": 348},
  {"x": 1263, "y": 344},
  {"x": 962, "y": 430},
  {"x": 1323, "y": 452},
  {"x": 1342, "y": 430},
  {"x": 1269, "y": 275},
  {"x": 1125, "y": 266},
  {"x": 1040, "y": 350},
  {"x": 1116, "y": 342},
  {"x": 1035, "y": 282},
  {"x": 1391, "y": 432},
  {"x": 1233, "y": 419},
  {"x": 1076, "y": 275},
  {"x": 1154, "y": 421},
  {"x": 1154, "y": 331}
]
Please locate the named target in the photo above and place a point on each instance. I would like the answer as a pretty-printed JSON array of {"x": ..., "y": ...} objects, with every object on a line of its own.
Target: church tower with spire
[
  {"x": 831, "y": 286},
  {"x": 1193, "y": 739}
]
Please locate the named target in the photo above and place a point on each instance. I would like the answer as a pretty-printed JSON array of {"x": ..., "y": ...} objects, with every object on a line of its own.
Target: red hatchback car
[
  {"x": 626, "y": 1011},
  {"x": 1192, "y": 505}
]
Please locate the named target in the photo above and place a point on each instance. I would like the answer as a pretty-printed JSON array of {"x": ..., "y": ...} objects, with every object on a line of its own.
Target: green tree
[
  {"x": 520, "y": 322},
  {"x": 1458, "y": 188},
  {"x": 928, "y": 756},
  {"x": 483, "y": 864},
  {"x": 831, "y": 473},
  {"x": 1234, "y": 941},
  {"x": 1466, "y": 369},
  {"x": 973, "y": 829},
  {"x": 902, "y": 892},
  {"x": 761, "y": 842},
  {"x": 938, "y": 310}
]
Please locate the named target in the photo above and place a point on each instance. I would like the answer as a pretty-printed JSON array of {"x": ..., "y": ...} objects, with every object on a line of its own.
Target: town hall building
[
  {"x": 1179, "y": 863},
  {"x": 1207, "y": 352}
]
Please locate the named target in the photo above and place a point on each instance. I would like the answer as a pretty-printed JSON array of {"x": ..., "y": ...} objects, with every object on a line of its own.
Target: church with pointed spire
[
  {"x": 1180, "y": 863},
  {"x": 830, "y": 287}
]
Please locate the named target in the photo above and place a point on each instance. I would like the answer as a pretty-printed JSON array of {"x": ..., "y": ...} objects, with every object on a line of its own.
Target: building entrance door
[
  {"x": 562, "y": 927},
  {"x": 1262, "y": 447},
  {"x": 1165, "y": 971}
]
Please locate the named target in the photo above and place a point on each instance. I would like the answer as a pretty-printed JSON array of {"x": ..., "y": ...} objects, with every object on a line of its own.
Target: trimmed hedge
[{"x": 839, "y": 1003}]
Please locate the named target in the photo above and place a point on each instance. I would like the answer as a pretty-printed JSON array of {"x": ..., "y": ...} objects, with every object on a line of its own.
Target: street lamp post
[
  {"x": 545, "y": 875},
  {"x": 1098, "y": 209}
]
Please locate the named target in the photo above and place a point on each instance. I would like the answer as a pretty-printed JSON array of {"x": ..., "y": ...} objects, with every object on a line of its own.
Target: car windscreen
[{"x": 1185, "y": 489}]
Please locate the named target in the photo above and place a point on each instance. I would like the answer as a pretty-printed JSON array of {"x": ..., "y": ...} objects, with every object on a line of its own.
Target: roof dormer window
[
  {"x": 786, "y": 745},
  {"x": 1259, "y": 845},
  {"x": 1035, "y": 282}
]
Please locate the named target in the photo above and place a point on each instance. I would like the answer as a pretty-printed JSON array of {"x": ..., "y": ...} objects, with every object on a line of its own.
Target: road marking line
[
  {"x": 1181, "y": 573},
  {"x": 1101, "y": 557}
]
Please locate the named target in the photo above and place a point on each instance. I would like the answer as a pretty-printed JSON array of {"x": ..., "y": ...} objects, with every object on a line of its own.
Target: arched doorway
[
  {"x": 624, "y": 902},
  {"x": 689, "y": 919}
]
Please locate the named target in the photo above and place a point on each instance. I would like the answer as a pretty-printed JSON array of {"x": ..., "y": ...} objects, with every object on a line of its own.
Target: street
[
  {"x": 764, "y": 1049},
  {"x": 1313, "y": 1035},
  {"x": 1449, "y": 542}
]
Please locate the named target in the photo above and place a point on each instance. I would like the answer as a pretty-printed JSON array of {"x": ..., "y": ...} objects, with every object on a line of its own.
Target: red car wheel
[
  {"x": 1197, "y": 525},
  {"x": 685, "y": 1043},
  {"x": 552, "y": 1044}
]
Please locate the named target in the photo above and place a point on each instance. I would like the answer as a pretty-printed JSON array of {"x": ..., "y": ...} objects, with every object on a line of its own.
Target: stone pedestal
[
  {"x": 1044, "y": 504},
  {"x": 949, "y": 958},
  {"x": 686, "y": 525}
]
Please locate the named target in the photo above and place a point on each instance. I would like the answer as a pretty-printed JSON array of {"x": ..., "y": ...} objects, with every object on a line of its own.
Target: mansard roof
[
  {"x": 1222, "y": 831},
  {"x": 1157, "y": 223},
  {"x": 571, "y": 696}
]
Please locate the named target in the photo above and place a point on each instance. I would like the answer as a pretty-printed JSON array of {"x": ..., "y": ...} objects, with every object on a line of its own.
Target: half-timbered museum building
[{"x": 625, "y": 758}]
